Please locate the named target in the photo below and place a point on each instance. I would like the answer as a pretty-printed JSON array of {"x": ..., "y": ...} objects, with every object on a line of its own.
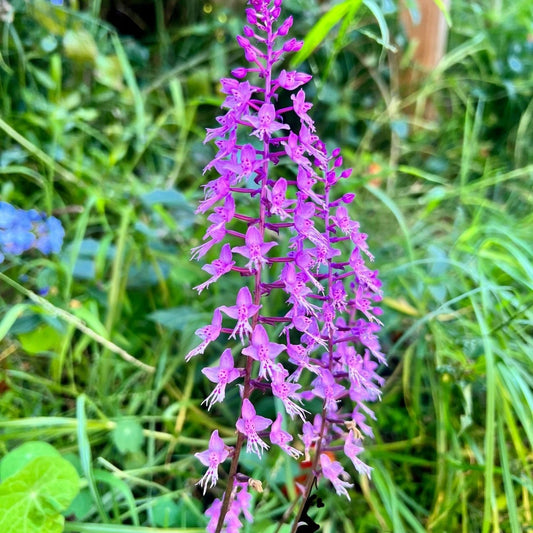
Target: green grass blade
[
  {"x": 319, "y": 31},
  {"x": 490, "y": 370},
  {"x": 84, "y": 448},
  {"x": 507, "y": 479}
]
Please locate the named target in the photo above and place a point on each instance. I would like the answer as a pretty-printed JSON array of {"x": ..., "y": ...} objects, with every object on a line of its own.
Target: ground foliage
[{"x": 104, "y": 130}]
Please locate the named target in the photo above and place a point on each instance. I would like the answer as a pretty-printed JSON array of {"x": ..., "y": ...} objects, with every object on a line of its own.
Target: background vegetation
[{"x": 102, "y": 114}]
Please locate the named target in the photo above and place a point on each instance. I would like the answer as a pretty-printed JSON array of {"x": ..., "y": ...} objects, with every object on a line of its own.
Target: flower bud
[
  {"x": 250, "y": 16},
  {"x": 243, "y": 43},
  {"x": 346, "y": 173},
  {"x": 348, "y": 197},
  {"x": 248, "y": 31},
  {"x": 239, "y": 72},
  {"x": 285, "y": 27},
  {"x": 292, "y": 45}
]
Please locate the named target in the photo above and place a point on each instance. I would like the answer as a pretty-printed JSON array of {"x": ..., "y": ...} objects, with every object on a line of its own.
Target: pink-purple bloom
[
  {"x": 249, "y": 424},
  {"x": 216, "y": 453},
  {"x": 221, "y": 375},
  {"x": 282, "y": 438},
  {"x": 278, "y": 225},
  {"x": 242, "y": 311},
  {"x": 333, "y": 471}
]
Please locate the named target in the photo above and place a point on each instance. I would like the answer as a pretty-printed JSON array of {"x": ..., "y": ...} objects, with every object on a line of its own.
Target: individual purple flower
[
  {"x": 310, "y": 434},
  {"x": 286, "y": 392},
  {"x": 301, "y": 107},
  {"x": 264, "y": 351},
  {"x": 264, "y": 123},
  {"x": 282, "y": 438},
  {"x": 242, "y": 312},
  {"x": 221, "y": 375},
  {"x": 239, "y": 94},
  {"x": 277, "y": 196},
  {"x": 255, "y": 249},
  {"x": 295, "y": 285},
  {"x": 249, "y": 424},
  {"x": 333, "y": 471},
  {"x": 327, "y": 388},
  {"x": 352, "y": 448},
  {"x": 216, "y": 190},
  {"x": 292, "y": 80},
  {"x": 213, "y": 513},
  {"x": 295, "y": 151},
  {"x": 208, "y": 334},
  {"x": 242, "y": 168},
  {"x": 299, "y": 356},
  {"x": 242, "y": 502},
  {"x": 216, "y": 453},
  {"x": 218, "y": 267}
]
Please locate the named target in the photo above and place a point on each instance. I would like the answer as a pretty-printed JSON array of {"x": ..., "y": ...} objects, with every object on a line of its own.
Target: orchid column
[{"x": 328, "y": 346}]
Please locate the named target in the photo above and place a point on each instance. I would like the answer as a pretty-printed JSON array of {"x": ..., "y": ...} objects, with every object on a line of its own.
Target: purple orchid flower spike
[{"x": 283, "y": 183}]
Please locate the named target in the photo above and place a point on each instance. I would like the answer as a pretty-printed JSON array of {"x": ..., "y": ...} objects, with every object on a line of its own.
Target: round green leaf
[
  {"x": 21, "y": 456},
  {"x": 128, "y": 436},
  {"x": 32, "y": 499}
]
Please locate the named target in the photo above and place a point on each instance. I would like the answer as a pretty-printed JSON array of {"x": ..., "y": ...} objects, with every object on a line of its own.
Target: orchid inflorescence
[{"x": 324, "y": 346}]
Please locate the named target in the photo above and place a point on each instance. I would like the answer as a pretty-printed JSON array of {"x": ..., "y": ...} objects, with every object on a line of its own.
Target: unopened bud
[
  {"x": 239, "y": 72},
  {"x": 292, "y": 45},
  {"x": 250, "y": 16},
  {"x": 285, "y": 27},
  {"x": 346, "y": 173}
]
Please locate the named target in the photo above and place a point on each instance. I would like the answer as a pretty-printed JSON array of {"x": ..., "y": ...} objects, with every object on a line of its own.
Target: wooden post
[{"x": 429, "y": 35}]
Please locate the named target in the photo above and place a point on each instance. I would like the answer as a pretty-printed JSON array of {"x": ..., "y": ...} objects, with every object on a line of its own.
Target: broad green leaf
[
  {"x": 167, "y": 197},
  {"x": 128, "y": 436},
  {"x": 176, "y": 318},
  {"x": 41, "y": 340},
  {"x": 31, "y": 500},
  {"x": 81, "y": 505},
  {"x": 166, "y": 512},
  {"x": 21, "y": 456}
]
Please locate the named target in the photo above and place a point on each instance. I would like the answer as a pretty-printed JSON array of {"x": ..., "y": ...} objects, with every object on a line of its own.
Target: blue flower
[{"x": 22, "y": 230}]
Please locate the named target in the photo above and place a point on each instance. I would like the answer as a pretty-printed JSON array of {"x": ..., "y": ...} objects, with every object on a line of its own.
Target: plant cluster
[{"x": 324, "y": 347}]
